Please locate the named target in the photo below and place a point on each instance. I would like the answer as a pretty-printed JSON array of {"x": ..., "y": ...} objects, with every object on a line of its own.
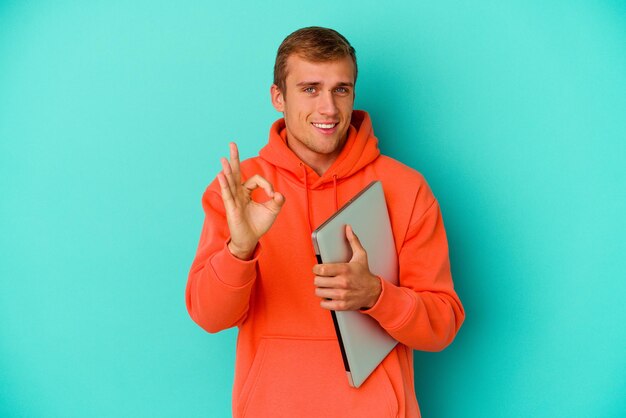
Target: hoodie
[{"x": 288, "y": 360}]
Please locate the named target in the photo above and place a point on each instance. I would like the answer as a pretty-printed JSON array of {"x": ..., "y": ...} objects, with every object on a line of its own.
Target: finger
[
  {"x": 335, "y": 305},
  {"x": 358, "y": 252},
  {"x": 336, "y": 282},
  {"x": 277, "y": 199},
  {"x": 226, "y": 167},
  {"x": 228, "y": 175},
  {"x": 258, "y": 181},
  {"x": 330, "y": 294},
  {"x": 323, "y": 282},
  {"x": 276, "y": 203},
  {"x": 227, "y": 196},
  {"x": 234, "y": 162},
  {"x": 330, "y": 269}
]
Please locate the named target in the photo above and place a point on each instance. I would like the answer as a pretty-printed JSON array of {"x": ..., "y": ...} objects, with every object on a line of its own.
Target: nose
[{"x": 326, "y": 104}]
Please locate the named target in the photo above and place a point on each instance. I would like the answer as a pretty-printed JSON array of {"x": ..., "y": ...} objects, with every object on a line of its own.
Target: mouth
[{"x": 325, "y": 127}]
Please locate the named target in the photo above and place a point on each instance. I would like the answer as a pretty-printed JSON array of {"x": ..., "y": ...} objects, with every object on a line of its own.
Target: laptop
[{"x": 363, "y": 342}]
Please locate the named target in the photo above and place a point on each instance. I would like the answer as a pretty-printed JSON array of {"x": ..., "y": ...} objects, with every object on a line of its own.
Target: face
[{"x": 317, "y": 107}]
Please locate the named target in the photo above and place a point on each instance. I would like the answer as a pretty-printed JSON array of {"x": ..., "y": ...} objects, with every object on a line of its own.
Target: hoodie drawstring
[
  {"x": 306, "y": 197},
  {"x": 335, "y": 190}
]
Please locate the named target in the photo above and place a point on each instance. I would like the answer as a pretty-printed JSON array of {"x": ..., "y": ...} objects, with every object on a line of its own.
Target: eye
[
  {"x": 309, "y": 90},
  {"x": 342, "y": 90}
]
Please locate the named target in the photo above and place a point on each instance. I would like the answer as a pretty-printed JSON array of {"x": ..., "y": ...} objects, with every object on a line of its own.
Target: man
[{"x": 255, "y": 266}]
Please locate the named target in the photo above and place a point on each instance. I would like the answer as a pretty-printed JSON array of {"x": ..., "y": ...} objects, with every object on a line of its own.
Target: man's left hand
[{"x": 347, "y": 286}]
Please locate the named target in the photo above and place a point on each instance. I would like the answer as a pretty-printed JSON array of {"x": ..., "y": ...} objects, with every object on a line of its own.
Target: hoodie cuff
[
  {"x": 393, "y": 307},
  {"x": 233, "y": 271}
]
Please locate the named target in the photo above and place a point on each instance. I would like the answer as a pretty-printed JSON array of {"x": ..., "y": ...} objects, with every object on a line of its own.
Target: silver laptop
[{"x": 363, "y": 342}]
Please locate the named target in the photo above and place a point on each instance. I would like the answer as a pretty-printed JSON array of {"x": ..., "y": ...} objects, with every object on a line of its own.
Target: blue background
[{"x": 113, "y": 116}]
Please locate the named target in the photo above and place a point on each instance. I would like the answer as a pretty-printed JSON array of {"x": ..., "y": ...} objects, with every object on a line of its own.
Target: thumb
[
  {"x": 358, "y": 252},
  {"x": 276, "y": 202}
]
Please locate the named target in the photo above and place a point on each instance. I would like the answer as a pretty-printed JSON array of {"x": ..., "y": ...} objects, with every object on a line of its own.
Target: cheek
[{"x": 347, "y": 105}]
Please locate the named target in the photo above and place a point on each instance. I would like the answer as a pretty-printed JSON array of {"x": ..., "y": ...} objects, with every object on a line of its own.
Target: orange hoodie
[{"x": 288, "y": 359}]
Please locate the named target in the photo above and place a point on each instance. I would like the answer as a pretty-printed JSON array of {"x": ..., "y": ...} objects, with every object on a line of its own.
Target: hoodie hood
[{"x": 360, "y": 149}]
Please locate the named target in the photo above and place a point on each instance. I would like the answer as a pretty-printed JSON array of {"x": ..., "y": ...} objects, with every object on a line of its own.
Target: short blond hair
[{"x": 315, "y": 44}]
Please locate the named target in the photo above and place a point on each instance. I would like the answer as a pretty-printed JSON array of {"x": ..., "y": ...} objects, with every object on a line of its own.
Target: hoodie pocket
[{"x": 306, "y": 378}]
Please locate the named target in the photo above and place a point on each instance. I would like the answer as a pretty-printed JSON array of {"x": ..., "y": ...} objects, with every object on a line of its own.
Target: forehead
[{"x": 336, "y": 71}]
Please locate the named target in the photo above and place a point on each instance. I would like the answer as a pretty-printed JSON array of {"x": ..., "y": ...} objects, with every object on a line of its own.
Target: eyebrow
[{"x": 317, "y": 83}]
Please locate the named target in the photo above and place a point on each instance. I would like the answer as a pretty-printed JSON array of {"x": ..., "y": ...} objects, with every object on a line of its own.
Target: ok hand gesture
[{"x": 247, "y": 220}]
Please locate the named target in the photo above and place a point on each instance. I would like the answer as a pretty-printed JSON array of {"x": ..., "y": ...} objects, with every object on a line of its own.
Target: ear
[{"x": 278, "y": 99}]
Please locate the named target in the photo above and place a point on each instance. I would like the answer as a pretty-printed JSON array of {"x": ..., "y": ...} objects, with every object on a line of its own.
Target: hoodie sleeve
[
  {"x": 219, "y": 285},
  {"x": 423, "y": 312}
]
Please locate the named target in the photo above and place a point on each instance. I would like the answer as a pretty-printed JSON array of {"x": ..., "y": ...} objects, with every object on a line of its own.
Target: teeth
[{"x": 324, "y": 125}]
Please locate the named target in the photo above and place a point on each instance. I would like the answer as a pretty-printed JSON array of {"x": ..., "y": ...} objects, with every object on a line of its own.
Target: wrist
[
  {"x": 377, "y": 289},
  {"x": 242, "y": 254}
]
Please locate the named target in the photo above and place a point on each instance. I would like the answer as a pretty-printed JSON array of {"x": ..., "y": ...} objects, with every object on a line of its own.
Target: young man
[{"x": 255, "y": 267}]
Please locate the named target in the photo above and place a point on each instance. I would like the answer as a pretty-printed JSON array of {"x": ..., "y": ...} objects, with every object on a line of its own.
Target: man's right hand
[{"x": 247, "y": 220}]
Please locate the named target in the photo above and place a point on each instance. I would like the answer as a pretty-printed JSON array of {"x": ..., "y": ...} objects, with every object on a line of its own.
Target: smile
[{"x": 324, "y": 125}]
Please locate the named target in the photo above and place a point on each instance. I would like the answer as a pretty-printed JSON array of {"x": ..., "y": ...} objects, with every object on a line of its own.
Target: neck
[{"x": 319, "y": 162}]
